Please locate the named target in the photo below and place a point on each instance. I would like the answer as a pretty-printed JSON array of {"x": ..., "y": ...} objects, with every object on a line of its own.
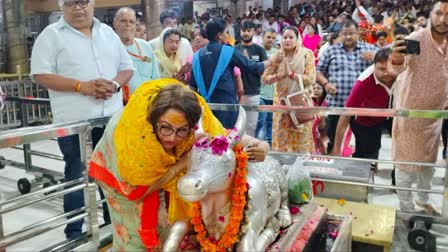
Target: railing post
[
  {"x": 20, "y": 87},
  {"x": 2, "y": 232},
  {"x": 90, "y": 192},
  {"x": 24, "y": 120},
  {"x": 19, "y": 72},
  {"x": 445, "y": 196},
  {"x": 92, "y": 209}
]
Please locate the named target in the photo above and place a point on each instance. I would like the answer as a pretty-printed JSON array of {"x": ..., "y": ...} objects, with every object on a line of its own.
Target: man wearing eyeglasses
[{"x": 83, "y": 64}]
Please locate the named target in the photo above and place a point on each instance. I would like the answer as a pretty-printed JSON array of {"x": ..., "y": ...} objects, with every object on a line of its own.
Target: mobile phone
[{"x": 412, "y": 47}]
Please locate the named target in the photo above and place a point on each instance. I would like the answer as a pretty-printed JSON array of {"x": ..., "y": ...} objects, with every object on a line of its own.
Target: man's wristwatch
[{"x": 117, "y": 86}]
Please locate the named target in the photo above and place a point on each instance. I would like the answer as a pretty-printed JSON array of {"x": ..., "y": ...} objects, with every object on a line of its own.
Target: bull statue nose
[
  {"x": 191, "y": 188},
  {"x": 191, "y": 185},
  {"x": 198, "y": 185}
]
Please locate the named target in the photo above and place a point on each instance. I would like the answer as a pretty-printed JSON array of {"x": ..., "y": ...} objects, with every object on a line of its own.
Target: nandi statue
[{"x": 235, "y": 204}]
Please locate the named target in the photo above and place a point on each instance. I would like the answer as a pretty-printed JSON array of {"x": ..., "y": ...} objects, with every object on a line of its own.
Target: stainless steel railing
[
  {"x": 22, "y": 136},
  {"x": 35, "y": 110},
  {"x": 324, "y": 111}
]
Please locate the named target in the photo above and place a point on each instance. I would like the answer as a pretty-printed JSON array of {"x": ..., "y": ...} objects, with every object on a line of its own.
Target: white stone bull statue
[{"x": 209, "y": 181}]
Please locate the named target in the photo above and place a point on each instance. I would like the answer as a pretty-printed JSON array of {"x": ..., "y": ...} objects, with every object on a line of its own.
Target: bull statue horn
[
  {"x": 240, "y": 125},
  {"x": 200, "y": 126}
]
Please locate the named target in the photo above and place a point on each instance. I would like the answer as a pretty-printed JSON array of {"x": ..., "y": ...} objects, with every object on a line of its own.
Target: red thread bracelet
[{"x": 292, "y": 75}]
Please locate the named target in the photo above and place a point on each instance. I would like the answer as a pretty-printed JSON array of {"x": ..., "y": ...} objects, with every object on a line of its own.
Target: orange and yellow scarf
[{"x": 136, "y": 159}]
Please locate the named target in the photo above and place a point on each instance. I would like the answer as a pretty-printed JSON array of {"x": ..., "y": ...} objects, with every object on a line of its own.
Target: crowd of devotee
[{"x": 336, "y": 54}]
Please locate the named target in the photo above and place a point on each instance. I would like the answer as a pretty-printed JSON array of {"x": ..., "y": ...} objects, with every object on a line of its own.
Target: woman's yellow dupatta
[{"x": 141, "y": 159}]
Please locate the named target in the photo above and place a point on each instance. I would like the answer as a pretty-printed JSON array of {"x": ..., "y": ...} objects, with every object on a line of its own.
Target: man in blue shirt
[{"x": 225, "y": 90}]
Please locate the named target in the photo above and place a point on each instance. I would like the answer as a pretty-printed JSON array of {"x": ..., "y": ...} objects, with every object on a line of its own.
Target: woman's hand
[
  {"x": 291, "y": 74},
  {"x": 282, "y": 71},
  {"x": 278, "y": 57},
  {"x": 257, "y": 150}
]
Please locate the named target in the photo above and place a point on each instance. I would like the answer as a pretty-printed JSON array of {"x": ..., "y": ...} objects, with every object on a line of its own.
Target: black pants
[
  {"x": 70, "y": 149},
  {"x": 332, "y": 124},
  {"x": 368, "y": 140}
]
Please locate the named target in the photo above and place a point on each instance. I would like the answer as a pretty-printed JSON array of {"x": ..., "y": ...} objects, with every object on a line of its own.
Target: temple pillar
[
  {"x": 237, "y": 9},
  {"x": 186, "y": 8},
  {"x": 17, "y": 49},
  {"x": 153, "y": 8}
]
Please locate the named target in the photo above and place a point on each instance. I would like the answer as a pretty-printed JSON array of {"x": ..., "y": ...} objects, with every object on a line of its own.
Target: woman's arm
[
  {"x": 256, "y": 149},
  {"x": 166, "y": 178},
  {"x": 270, "y": 75},
  {"x": 239, "y": 87},
  {"x": 238, "y": 83}
]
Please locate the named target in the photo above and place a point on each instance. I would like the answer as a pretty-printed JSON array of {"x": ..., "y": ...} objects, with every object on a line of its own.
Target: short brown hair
[{"x": 175, "y": 96}]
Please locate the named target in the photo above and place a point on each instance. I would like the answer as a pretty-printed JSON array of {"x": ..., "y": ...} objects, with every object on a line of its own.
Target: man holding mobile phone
[{"x": 422, "y": 85}]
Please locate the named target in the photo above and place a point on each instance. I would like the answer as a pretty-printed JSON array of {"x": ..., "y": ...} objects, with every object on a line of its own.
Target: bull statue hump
[{"x": 209, "y": 180}]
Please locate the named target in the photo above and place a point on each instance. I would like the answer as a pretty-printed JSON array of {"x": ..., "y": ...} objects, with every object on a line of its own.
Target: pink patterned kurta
[{"x": 422, "y": 84}]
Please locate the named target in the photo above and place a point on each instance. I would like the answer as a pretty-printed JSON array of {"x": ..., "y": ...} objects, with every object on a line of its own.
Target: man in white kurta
[{"x": 422, "y": 85}]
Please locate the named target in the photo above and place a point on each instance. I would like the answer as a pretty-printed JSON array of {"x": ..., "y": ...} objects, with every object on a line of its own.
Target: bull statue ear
[{"x": 240, "y": 127}]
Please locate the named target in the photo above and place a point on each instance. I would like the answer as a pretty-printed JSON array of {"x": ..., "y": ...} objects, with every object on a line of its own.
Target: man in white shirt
[
  {"x": 361, "y": 13},
  {"x": 168, "y": 18},
  {"x": 271, "y": 23},
  {"x": 83, "y": 64}
]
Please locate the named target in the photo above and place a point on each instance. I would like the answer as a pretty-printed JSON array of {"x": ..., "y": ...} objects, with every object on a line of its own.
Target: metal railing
[
  {"x": 20, "y": 85},
  {"x": 324, "y": 111},
  {"x": 22, "y": 136}
]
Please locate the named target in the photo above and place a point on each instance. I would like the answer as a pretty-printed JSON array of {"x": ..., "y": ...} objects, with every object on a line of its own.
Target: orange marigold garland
[{"x": 232, "y": 230}]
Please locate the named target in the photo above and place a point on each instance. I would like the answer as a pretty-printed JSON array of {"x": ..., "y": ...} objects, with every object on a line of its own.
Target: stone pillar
[
  {"x": 238, "y": 8},
  {"x": 15, "y": 36},
  {"x": 2, "y": 40},
  {"x": 153, "y": 8},
  {"x": 285, "y": 6},
  {"x": 186, "y": 8}
]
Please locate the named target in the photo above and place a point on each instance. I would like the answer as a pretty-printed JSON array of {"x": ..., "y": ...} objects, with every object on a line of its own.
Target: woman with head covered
[
  {"x": 296, "y": 67},
  {"x": 142, "y": 155}
]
